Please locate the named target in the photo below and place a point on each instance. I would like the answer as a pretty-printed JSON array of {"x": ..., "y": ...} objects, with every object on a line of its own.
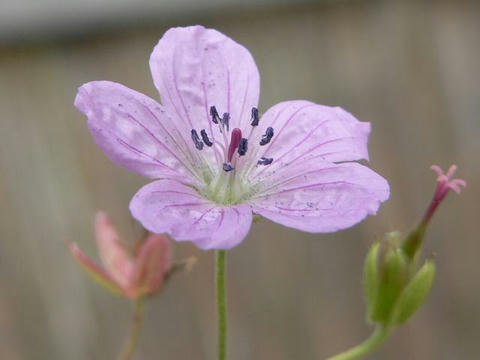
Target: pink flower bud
[{"x": 132, "y": 276}]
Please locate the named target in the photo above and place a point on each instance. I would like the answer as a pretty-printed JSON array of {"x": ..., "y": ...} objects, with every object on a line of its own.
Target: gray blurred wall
[{"x": 410, "y": 68}]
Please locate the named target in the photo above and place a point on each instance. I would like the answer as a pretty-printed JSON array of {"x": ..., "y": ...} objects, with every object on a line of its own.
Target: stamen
[
  {"x": 267, "y": 137},
  {"x": 228, "y": 167},
  {"x": 196, "y": 140},
  {"x": 234, "y": 141},
  {"x": 205, "y": 138},
  {"x": 255, "y": 118},
  {"x": 242, "y": 147},
  {"x": 265, "y": 161},
  {"x": 214, "y": 114},
  {"x": 226, "y": 121}
]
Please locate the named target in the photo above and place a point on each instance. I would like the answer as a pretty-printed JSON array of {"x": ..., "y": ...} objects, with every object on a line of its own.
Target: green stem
[
  {"x": 373, "y": 342},
  {"x": 132, "y": 340},
  {"x": 221, "y": 304}
]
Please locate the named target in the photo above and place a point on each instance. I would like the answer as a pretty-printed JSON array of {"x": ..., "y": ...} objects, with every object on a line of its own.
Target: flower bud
[{"x": 394, "y": 287}]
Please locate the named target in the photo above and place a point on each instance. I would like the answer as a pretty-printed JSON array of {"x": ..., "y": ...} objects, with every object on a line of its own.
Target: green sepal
[
  {"x": 392, "y": 280},
  {"x": 370, "y": 279},
  {"x": 414, "y": 294},
  {"x": 413, "y": 243}
]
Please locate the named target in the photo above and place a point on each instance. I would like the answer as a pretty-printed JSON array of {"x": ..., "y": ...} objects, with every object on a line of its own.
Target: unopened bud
[{"x": 394, "y": 286}]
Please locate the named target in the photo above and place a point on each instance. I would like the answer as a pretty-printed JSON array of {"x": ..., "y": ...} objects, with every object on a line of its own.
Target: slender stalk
[
  {"x": 220, "y": 258},
  {"x": 134, "y": 335},
  {"x": 373, "y": 342}
]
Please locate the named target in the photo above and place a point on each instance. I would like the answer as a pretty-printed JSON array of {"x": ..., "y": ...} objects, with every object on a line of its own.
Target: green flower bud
[
  {"x": 394, "y": 286},
  {"x": 415, "y": 293}
]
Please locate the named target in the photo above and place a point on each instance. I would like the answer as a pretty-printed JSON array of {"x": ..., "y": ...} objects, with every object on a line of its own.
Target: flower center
[{"x": 229, "y": 187}]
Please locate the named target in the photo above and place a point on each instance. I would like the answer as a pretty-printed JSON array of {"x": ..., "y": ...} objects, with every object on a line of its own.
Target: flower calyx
[{"x": 395, "y": 287}]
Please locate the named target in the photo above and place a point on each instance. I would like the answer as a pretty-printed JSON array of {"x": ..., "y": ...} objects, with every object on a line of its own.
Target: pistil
[{"x": 234, "y": 142}]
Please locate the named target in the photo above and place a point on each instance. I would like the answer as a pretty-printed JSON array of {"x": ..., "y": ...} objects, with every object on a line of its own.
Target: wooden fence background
[{"x": 410, "y": 68}]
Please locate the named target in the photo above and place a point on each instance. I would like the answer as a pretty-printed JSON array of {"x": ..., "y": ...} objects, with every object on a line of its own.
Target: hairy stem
[
  {"x": 132, "y": 340},
  {"x": 220, "y": 257},
  {"x": 373, "y": 342}
]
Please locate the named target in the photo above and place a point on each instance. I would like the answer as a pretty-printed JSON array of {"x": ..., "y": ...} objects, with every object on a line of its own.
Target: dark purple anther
[
  {"x": 196, "y": 140},
  {"x": 228, "y": 167},
  {"x": 205, "y": 138},
  {"x": 255, "y": 118},
  {"x": 267, "y": 137},
  {"x": 234, "y": 141},
  {"x": 226, "y": 120},
  {"x": 265, "y": 161},
  {"x": 242, "y": 147},
  {"x": 214, "y": 114}
]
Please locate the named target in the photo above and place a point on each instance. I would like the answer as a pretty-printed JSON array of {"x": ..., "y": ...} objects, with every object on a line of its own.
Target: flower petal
[
  {"x": 304, "y": 130},
  {"x": 194, "y": 68},
  {"x": 134, "y": 130},
  {"x": 167, "y": 206},
  {"x": 152, "y": 263},
  {"x": 113, "y": 254},
  {"x": 322, "y": 197}
]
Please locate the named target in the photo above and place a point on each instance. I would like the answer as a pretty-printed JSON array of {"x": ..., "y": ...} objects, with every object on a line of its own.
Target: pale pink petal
[
  {"x": 113, "y": 254},
  {"x": 134, "y": 130},
  {"x": 304, "y": 130},
  {"x": 95, "y": 271},
  {"x": 194, "y": 68},
  {"x": 152, "y": 264},
  {"x": 167, "y": 206},
  {"x": 322, "y": 197}
]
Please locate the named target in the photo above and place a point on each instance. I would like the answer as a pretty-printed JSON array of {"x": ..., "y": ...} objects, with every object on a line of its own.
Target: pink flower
[
  {"x": 445, "y": 183},
  {"x": 217, "y": 161},
  {"x": 132, "y": 277}
]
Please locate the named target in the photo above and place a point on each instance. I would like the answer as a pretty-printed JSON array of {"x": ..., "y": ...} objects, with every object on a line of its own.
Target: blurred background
[{"x": 410, "y": 68}]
